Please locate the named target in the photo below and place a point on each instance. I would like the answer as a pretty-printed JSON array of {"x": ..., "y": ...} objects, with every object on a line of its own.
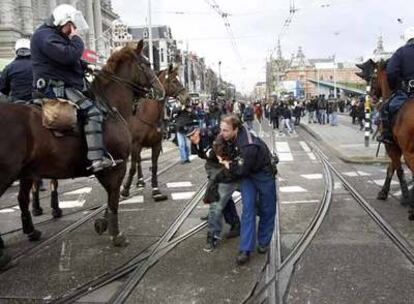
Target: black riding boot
[
  {"x": 93, "y": 131},
  {"x": 386, "y": 136}
]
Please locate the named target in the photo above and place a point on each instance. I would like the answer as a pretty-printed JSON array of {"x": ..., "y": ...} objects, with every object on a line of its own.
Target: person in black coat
[{"x": 16, "y": 79}]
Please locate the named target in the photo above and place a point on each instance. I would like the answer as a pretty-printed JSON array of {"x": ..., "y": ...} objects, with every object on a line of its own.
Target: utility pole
[
  {"x": 188, "y": 69},
  {"x": 150, "y": 51}
]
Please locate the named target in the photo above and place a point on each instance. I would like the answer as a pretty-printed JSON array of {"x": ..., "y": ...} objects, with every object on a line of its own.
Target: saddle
[{"x": 59, "y": 116}]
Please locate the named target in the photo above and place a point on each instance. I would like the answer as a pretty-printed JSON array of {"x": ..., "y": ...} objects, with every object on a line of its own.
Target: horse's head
[
  {"x": 374, "y": 73},
  {"x": 173, "y": 87},
  {"x": 132, "y": 68}
]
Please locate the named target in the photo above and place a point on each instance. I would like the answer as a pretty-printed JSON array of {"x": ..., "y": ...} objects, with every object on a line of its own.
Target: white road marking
[
  {"x": 291, "y": 189},
  {"x": 182, "y": 195},
  {"x": 356, "y": 173},
  {"x": 131, "y": 210},
  {"x": 380, "y": 182},
  {"x": 299, "y": 202},
  {"x": 338, "y": 185},
  {"x": 138, "y": 199},
  {"x": 79, "y": 191},
  {"x": 312, "y": 176},
  {"x": 71, "y": 204},
  {"x": 179, "y": 184},
  {"x": 283, "y": 151},
  {"x": 305, "y": 146},
  {"x": 7, "y": 210}
]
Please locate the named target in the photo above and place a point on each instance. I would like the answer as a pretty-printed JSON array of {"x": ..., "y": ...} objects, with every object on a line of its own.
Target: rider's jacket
[
  {"x": 17, "y": 78},
  {"x": 400, "y": 68},
  {"x": 55, "y": 57}
]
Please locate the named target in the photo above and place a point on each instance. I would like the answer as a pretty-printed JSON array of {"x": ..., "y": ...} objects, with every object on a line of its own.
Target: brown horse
[
  {"x": 403, "y": 130},
  {"x": 28, "y": 151},
  {"x": 146, "y": 131}
]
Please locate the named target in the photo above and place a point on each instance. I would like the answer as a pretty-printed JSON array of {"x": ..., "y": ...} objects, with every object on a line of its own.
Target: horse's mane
[
  {"x": 382, "y": 64},
  {"x": 125, "y": 54}
]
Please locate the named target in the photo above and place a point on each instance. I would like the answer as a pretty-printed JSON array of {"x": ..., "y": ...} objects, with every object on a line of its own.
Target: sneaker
[
  {"x": 243, "y": 258},
  {"x": 211, "y": 243},
  {"x": 262, "y": 249}
]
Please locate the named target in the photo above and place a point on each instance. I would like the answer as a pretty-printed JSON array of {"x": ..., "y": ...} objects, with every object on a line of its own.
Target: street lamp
[{"x": 219, "y": 67}]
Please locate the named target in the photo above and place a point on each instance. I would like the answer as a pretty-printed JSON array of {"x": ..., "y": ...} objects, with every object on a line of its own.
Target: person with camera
[
  {"x": 254, "y": 165},
  {"x": 219, "y": 192}
]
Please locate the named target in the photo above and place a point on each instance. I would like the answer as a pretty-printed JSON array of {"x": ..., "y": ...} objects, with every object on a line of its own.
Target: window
[{"x": 162, "y": 54}]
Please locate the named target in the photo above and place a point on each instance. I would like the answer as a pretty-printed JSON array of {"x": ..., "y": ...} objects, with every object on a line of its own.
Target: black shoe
[
  {"x": 204, "y": 218},
  {"x": 243, "y": 257},
  {"x": 385, "y": 139},
  {"x": 4, "y": 259},
  {"x": 262, "y": 249},
  {"x": 234, "y": 231}
]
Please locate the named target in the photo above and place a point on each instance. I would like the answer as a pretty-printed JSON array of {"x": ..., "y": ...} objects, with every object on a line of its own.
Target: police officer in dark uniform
[
  {"x": 202, "y": 144},
  {"x": 253, "y": 166},
  {"x": 17, "y": 77},
  {"x": 58, "y": 72},
  {"x": 400, "y": 75}
]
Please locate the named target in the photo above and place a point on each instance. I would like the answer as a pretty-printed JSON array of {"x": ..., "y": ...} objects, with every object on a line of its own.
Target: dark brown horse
[
  {"x": 28, "y": 151},
  {"x": 403, "y": 130},
  {"x": 146, "y": 131}
]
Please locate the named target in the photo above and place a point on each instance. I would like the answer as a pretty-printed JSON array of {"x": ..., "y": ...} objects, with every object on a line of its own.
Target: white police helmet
[
  {"x": 22, "y": 43},
  {"x": 409, "y": 34},
  {"x": 65, "y": 13}
]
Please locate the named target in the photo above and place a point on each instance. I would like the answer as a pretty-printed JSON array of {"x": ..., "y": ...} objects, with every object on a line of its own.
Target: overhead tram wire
[{"x": 213, "y": 4}]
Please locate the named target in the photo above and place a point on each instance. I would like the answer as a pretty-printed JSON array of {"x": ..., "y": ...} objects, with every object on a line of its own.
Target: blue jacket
[
  {"x": 253, "y": 155},
  {"x": 401, "y": 66},
  {"x": 17, "y": 78},
  {"x": 56, "y": 57}
]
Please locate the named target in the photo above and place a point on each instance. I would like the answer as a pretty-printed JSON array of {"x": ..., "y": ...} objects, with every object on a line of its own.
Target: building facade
[{"x": 19, "y": 18}]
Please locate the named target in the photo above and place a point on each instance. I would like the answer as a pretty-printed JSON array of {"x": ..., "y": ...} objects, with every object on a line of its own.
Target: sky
[{"x": 347, "y": 29}]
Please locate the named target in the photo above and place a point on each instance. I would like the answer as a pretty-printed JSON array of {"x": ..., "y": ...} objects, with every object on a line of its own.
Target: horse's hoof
[
  {"x": 37, "y": 211},
  {"x": 57, "y": 213},
  {"x": 125, "y": 192},
  {"x": 159, "y": 197},
  {"x": 101, "y": 225},
  {"x": 34, "y": 236},
  {"x": 120, "y": 240},
  {"x": 4, "y": 260},
  {"x": 382, "y": 195},
  {"x": 140, "y": 184}
]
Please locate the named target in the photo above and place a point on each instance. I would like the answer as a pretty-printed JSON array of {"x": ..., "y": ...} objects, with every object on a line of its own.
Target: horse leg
[
  {"x": 405, "y": 194},
  {"x": 140, "y": 176},
  {"x": 156, "y": 193},
  {"x": 383, "y": 194},
  {"x": 127, "y": 185},
  {"x": 112, "y": 181},
  {"x": 36, "y": 209},
  {"x": 24, "y": 200},
  {"x": 54, "y": 199}
]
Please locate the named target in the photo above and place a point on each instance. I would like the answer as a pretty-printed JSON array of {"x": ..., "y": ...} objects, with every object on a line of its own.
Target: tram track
[
  {"x": 94, "y": 182},
  {"x": 279, "y": 282},
  {"x": 138, "y": 265},
  {"x": 73, "y": 226}
]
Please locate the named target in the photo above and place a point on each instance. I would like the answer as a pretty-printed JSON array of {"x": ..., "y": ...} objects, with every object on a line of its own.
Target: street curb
[{"x": 350, "y": 160}]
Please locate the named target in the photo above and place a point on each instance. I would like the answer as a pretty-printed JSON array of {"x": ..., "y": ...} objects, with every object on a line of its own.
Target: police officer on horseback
[
  {"x": 59, "y": 73},
  {"x": 400, "y": 75},
  {"x": 17, "y": 77}
]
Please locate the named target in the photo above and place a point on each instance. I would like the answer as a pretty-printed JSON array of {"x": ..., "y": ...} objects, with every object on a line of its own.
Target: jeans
[
  {"x": 333, "y": 118},
  {"x": 183, "y": 146},
  {"x": 263, "y": 186},
  {"x": 323, "y": 117},
  {"x": 215, "y": 213},
  {"x": 311, "y": 116}
]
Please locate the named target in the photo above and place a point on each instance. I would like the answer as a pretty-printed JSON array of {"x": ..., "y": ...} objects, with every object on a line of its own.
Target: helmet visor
[{"x": 79, "y": 22}]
